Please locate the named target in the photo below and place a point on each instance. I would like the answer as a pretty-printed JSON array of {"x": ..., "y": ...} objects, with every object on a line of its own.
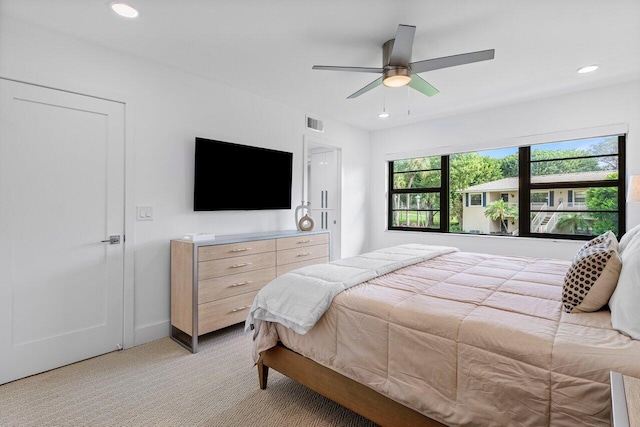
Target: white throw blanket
[{"x": 299, "y": 298}]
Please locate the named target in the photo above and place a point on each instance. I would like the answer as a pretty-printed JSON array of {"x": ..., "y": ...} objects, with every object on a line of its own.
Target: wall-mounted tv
[{"x": 231, "y": 177}]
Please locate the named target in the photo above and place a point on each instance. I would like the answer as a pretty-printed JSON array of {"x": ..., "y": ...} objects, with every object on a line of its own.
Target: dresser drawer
[
  {"x": 208, "y": 253},
  {"x": 223, "y": 278},
  {"x": 288, "y": 256},
  {"x": 226, "y": 266},
  {"x": 225, "y": 312},
  {"x": 303, "y": 241},
  {"x": 234, "y": 284},
  {"x": 285, "y": 268}
]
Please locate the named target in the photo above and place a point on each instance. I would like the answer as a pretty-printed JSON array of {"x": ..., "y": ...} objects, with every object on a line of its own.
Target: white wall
[
  {"x": 171, "y": 108},
  {"x": 499, "y": 127}
]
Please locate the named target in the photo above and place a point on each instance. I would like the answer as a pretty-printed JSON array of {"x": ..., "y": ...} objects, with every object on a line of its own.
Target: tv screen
[{"x": 239, "y": 177}]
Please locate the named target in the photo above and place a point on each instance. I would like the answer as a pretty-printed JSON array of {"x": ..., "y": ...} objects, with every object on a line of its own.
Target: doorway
[
  {"x": 322, "y": 187},
  {"x": 62, "y": 197}
]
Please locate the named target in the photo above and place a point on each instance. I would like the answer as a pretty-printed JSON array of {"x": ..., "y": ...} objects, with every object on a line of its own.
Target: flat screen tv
[{"x": 230, "y": 177}]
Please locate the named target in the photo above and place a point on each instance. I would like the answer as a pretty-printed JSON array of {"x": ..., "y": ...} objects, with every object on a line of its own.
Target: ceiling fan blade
[
  {"x": 451, "y": 61},
  {"x": 367, "y": 88},
  {"x": 356, "y": 69},
  {"x": 421, "y": 85},
  {"x": 402, "y": 45}
]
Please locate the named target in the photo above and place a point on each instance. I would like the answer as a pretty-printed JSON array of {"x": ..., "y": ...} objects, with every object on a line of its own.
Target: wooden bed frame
[{"x": 345, "y": 391}]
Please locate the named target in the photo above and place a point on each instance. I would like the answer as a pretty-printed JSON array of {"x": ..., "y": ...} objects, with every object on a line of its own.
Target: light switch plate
[{"x": 144, "y": 213}]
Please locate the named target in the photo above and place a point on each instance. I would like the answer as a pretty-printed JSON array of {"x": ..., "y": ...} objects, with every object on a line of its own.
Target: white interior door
[
  {"x": 61, "y": 195},
  {"x": 317, "y": 178},
  {"x": 322, "y": 188}
]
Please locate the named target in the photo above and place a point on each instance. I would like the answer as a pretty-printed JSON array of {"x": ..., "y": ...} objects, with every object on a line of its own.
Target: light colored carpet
[{"x": 162, "y": 384}]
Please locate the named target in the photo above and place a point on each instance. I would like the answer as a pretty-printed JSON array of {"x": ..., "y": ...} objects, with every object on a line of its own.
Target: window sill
[{"x": 489, "y": 236}]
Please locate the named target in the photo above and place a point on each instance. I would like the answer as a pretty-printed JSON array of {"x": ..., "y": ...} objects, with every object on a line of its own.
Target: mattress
[{"x": 472, "y": 339}]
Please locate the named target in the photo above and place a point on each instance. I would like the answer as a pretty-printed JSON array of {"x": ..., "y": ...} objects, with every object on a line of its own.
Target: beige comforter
[{"x": 472, "y": 339}]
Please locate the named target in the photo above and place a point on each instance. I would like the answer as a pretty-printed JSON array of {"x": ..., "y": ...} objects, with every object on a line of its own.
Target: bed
[{"x": 425, "y": 335}]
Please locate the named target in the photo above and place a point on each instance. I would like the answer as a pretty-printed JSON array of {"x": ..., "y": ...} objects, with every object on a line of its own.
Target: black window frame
[
  {"x": 525, "y": 186},
  {"x": 442, "y": 190}
]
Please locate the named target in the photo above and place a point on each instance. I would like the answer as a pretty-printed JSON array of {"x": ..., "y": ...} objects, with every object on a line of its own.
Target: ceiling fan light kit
[
  {"x": 398, "y": 70},
  {"x": 396, "y": 77}
]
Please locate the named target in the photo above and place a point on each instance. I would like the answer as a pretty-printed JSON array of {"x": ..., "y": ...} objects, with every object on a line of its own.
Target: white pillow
[
  {"x": 625, "y": 301},
  {"x": 607, "y": 237},
  {"x": 628, "y": 237}
]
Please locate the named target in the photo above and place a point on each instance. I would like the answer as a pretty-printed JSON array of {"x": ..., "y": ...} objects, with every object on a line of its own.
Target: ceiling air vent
[{"x": 315, "y": 124}]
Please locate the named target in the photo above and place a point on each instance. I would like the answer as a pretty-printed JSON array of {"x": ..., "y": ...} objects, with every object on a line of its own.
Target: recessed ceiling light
[
  {"x": 124, "y": 9},
  {"x": 587, "y": 69},
  {"x": 384, "y": 115}
]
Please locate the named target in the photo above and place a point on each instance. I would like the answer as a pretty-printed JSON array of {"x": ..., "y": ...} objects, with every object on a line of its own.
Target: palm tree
[
  {"x": 573, "y": 221},
  {"x": 501, "y": 210}
]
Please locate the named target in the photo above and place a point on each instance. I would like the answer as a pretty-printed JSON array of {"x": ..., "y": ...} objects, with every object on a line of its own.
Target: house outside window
[
  {"x": 498, "y": 212},
  {"x": 568, "y": 189}
]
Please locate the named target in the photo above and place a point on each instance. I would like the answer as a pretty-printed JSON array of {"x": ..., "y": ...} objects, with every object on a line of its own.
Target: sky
[{"x": 580, "y": 144}]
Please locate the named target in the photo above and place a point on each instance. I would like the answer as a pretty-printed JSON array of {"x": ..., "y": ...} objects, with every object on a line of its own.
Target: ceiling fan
[{"x": 398, "y": 70}]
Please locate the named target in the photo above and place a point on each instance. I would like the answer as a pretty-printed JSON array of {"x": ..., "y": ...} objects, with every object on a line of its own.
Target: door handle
[{"x": 112, "y": 240}]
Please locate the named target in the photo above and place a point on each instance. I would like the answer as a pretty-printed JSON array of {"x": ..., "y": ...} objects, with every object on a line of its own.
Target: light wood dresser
[
  {"x": 214, "y": 283},
  {"x": 625, "y": 400}
]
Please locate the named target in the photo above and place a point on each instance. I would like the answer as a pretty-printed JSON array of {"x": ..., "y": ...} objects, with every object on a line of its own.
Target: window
[
  {"x": 417, "y": 190},
  {"x": 579, "y": 198},
  {"x": 568, "y": 189},
  {"x": 585, "y": 182},
  {"x": 539, "y": 198},
  {"x": 478, "y": 182},
  {"x": 475, "y": 199}
]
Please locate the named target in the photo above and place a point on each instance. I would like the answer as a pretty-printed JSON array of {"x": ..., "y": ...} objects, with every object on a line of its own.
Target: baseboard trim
[{"x": 151, "y": 333}]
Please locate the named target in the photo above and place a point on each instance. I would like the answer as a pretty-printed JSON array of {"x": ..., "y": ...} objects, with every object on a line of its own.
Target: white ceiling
[{"x": 268, "y": 47}]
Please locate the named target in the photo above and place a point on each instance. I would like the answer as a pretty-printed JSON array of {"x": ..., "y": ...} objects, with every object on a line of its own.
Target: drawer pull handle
[
  {"x": 244, "y": 264},
  {"x": 244, "y": 307},
  {"x": 241, "y": 250},
  {"x": 246, "y": 282},
  {"x": 305, "y": 241},
  {"x": 305, "y": 254}
]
